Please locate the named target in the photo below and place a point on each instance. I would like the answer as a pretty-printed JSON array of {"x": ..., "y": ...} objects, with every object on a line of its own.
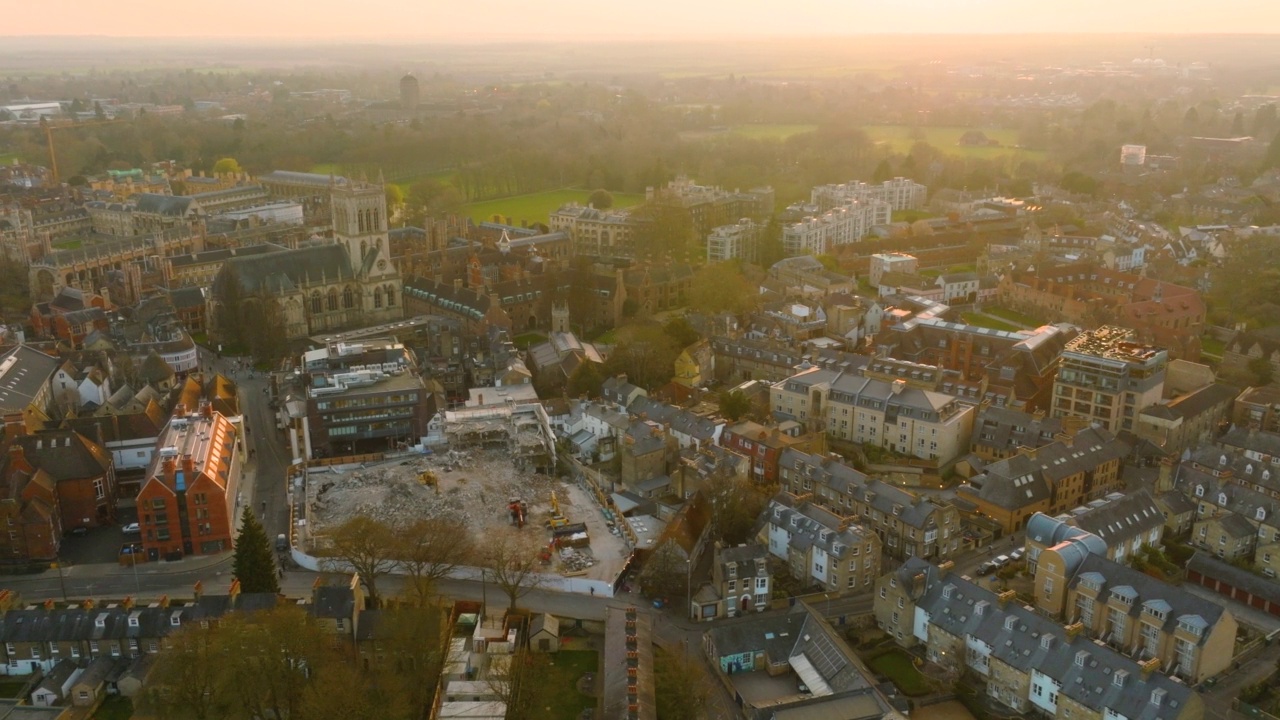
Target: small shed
[
  {"x": 53, "y": 689},
  {"x": 90, "y": 688},
  {"x": 544, "y": 633},
  {"x": 132, "y": 680}
]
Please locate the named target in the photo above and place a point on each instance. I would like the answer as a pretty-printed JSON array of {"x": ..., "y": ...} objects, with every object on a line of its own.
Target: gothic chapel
[{"x": 329, "y": 284}]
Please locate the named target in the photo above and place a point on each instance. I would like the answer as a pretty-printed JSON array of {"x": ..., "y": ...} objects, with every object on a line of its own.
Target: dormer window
[
  {"x": 1222, "y": 498},
  {"x": 1119, "y": 677},
  {"x": 1199, "y": 491},
  {"x": 1046, "y": 641},
  {"x": 1260, "y": 514},
  {"x": 1157, "y": 696},
  {"x": 1009, "y": 622}
]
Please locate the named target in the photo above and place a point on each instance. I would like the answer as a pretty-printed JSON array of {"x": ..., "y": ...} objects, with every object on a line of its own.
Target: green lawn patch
[
  {"x": 68, "y": 245},
  {"x": 1210, "y": 345},
  {"x": 608, "y": 337},
  {"x": 910, "y": 216},
  {"x": 537, "y": 207},
  {"x": 562, "y": 699},
  {"x": 1011, "y": 315},
  {"x": 7, "y": 158},
  {"x": 988, "y": 322},
  {"x": 901, "y": 671},
  {"x": 899, "y": 139},
  {"x": 524, "y": 341},
  {"x": 115, "y": 707},
  {"x": 771, "y": 132}
]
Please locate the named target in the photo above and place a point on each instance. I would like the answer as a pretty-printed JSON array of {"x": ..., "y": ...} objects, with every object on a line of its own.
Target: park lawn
[
  {"x": 901, "y": 671},
  {"x": 771, "y": 132},
  {"x": 1011, "y": 315},
  {"x": 7, "y": 158},
  {"x": 537, "y": 207},
  {"x": 986, "y": 322},
  {"x": 562, "y": 697},
  {"x": 327, "y": 168},
  {"x": 898, "y": 139}
]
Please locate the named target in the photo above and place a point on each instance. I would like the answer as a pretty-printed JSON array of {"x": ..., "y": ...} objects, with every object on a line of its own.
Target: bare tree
[
  {"x": 186, "y": 683},
  {"x": 520, "y": 683},
  {"x": 366, "y": 546},
  {"x": 680, "y": 680},
  {"x": 513, "y": 565},
  {"x": 428, "y": 550}
]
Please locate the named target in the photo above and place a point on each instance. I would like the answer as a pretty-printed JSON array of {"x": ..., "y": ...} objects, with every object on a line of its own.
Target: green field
[
  {"x": 562, "y": 697},
  {"x": 771, "y": 132},
  {"x": 899, "y": 139},
  {"x": 1210, "y": 345},
  {"x": 7, "y": 158},
  {"x": 537, "y": 207}
]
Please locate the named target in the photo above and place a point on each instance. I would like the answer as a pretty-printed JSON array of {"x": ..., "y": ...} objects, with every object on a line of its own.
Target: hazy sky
[{"x": 471, "y": 20}]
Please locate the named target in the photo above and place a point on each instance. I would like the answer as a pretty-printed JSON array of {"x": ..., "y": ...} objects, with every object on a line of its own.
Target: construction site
[{"x": 485, "y": 489}]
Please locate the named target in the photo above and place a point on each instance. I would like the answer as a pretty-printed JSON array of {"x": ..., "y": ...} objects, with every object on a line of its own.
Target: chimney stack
[
  {"x": 1006, "y": 596},
  {"x": 128, "y": 602},
  {"x": 1148, "y": 667},
  {"x": 164, "y": 601},
  {"x": 234, "y": 593},
  {"x": 1073, "y": 630},
  {"x": 198, "y": 589}
]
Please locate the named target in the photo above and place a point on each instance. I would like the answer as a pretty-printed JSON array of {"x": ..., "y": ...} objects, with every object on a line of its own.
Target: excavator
[{"x": 557, "y": 520}]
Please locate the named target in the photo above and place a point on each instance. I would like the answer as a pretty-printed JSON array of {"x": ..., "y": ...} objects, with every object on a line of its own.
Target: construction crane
[{"x": 49, "y": 127}]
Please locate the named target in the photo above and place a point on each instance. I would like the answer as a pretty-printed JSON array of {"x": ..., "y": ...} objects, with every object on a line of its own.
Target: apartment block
[
  {"x": 765, "y": 445},
  {"x": 739, "y": 241},
  {"x": 892, "y": 262},
  {"x": 818, "y": 232},
  {"x": 187, "y": 504},
  {"x": 1107, "y": 377},
  {"x": 900, "y": 193},
  {"x": 890, "y": 414},
  {"x": 908, "y": 525}
]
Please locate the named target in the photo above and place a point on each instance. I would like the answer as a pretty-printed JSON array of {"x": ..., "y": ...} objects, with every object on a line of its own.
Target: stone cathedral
[{"x": 329, "y": 284}]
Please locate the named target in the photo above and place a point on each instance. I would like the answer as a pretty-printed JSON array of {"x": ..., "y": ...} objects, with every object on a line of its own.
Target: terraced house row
[
  {"x": 1029, "y": 662},
  {"x": 908, "y": 525}
]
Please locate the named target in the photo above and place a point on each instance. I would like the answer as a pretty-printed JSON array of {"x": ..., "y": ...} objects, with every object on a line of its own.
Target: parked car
[
  {"x": 988, "y": 567},
  {"x": 78, "y": 531},
  {"x": 1018, "y": 554},
  {"x": 131, "y": 529},
  {"x": 1001, "y": 561},
  {"x": 282, "y": 542}
]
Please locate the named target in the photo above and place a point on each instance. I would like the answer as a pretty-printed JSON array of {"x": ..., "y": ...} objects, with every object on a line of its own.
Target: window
[{"x": 99, "y": 490}]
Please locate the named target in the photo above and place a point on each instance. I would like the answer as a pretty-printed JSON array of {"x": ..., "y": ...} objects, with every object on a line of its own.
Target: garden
[{"x": 564, "y": 697}]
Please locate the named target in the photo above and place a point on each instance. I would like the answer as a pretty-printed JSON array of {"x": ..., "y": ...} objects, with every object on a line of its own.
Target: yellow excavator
[{"x": 557, "y": 520}]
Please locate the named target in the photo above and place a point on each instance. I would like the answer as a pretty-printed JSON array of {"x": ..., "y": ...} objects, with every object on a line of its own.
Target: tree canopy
[
  {"x": 227, "y": 165},
  {"x": 601, "y": 199},
  {"x": 721, "y": 287}
]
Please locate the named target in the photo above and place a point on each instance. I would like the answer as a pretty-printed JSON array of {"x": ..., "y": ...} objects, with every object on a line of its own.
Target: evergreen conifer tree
[{"x": 252, "y": 563}]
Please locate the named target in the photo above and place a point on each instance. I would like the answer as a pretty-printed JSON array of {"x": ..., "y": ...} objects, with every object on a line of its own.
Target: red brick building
[
  {"x": 764, "y": 446},
  {"x": 186, "y": 505},
  {"x": 29, "y": 508},
  {"x": 82, "y": 472}
]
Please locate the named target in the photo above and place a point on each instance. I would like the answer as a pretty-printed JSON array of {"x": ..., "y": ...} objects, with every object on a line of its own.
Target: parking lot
[{"x": 99, "y": 545}]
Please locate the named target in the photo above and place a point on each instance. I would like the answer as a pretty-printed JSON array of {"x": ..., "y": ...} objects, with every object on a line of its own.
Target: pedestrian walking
[{"x": 593, "y": 591}]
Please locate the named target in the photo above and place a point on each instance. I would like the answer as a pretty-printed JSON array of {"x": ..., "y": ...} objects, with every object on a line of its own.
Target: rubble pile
[
  {"x": 474, "y": 487},
  {"x": 573, "y": 560}
]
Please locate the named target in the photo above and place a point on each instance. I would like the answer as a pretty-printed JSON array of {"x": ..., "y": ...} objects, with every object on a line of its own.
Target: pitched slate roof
[
  {"x": 1021, "y": 638},
  {"x": 1002, "y": 427},
  {"x": 167, "y": 205},
  {"x": 286, "y": 270},
  {"x": 66, "y": 454},
  {"x": 915, "y": 511},
  {"x": 1023, "y": 480},
  {"x": 1120, "y": 517},
  {"x": 24, "y": 372},
  {"x": 1178, "y": 603},
  {"x": 810, "y": 521}
]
